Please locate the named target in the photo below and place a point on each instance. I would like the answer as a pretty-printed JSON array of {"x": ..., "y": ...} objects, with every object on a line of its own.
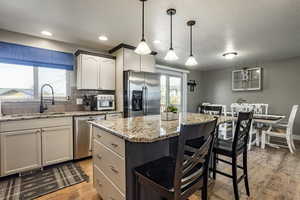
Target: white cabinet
[
  {"x": 88, "y": 72},
  {"x": 135, "y": 62},
  {"x": 95, "y": 73},
  {"x": 20, "y": 151},
  {"x": 148, "y": 63},
  {"x": 57, "y": 144},
  {"x": 132, "y": 61},
  {"x": 107, "y": 74}
]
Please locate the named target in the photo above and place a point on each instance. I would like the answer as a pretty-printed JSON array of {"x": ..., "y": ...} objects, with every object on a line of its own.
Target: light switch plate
[{"x": 79, "y": 101}]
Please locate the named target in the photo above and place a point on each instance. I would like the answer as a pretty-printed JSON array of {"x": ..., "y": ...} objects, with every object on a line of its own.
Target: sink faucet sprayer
[{"x": 42, "y": 106}]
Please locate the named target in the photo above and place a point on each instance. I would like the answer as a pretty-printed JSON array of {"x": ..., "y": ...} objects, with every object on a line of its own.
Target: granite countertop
[
  {"x": 151, "y": 128},
  {"x": 16, "y": 117}
]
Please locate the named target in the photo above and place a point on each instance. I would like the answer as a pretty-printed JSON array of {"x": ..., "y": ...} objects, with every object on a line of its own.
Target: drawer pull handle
[
  {"x": 114, "y": 170},
  {"x": 114, "y": 145},
  {"x": 99, "y": 183},
  {"x": 99, "y": 157}
]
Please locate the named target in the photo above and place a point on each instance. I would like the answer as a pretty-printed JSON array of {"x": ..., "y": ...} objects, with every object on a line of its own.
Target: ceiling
[{"x": 259, "y": 31}]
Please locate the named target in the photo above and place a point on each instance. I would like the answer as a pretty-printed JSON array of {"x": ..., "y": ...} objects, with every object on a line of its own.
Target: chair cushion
[
  {"x": 224, "y": 147},
  {"x": 161, "y": 171}
]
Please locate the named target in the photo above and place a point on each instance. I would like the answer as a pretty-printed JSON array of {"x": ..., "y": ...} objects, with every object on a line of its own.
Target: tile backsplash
[{"x": 21, "y": 107}]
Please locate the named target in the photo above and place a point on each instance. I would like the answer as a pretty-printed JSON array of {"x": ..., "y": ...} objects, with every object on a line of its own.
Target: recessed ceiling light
[
  {"x": 103, "y": 38},
  {"x": 47, "y": 33},
  {"x": 230, "y": 55},
  {"x": 156, "y": 41}
]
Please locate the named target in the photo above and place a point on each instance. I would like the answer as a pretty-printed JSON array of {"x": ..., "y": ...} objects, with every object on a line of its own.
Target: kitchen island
[{"x": 122, "y": 144}]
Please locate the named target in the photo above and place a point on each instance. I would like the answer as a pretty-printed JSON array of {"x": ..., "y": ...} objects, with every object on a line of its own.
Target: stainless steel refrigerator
[{"x": 141, "y": 94}]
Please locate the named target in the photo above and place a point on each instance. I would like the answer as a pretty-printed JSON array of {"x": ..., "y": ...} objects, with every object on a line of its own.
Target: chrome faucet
[{"x": 43, "y": 106}]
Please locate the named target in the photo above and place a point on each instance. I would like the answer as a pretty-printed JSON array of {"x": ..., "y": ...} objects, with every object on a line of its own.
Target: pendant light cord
[
  {"x": 191, "y": 43},
  {"x": 171, "y": 33},
  {"x": 143, "y": 24}
]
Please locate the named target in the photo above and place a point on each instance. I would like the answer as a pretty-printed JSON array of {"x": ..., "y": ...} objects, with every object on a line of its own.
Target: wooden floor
[{"x": 274, "y": 175}]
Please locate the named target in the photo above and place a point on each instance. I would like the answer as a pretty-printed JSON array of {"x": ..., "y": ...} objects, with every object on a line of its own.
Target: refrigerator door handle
[
  {"x": 144, "y": 100},
  {"x": 146, "y": 94}
]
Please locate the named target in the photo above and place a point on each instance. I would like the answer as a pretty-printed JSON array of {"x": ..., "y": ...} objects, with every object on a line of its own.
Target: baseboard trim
[{"x": 296, "y": 137}]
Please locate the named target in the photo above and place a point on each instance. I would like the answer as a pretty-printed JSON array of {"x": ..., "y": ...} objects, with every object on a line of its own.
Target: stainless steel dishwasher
[{"x": 83, "y": 135}]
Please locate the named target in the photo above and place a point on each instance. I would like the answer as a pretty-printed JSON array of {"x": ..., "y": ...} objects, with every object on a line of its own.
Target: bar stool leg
[
  {"x": 205, "y": 185},
  {"x": 234, "y": 178},
  {"x": 137, "y": 189},
  {"x": 214, "y": 165},
  {"x": 246, "y": 173}
]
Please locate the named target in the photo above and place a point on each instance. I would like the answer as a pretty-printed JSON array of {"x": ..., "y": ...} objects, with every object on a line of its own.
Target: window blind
[{"x": 25, "y": 55}]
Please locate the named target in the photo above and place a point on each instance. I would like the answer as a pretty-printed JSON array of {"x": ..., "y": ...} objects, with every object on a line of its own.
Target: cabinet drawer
[
  {"x": 105, "y": 187},
  {"x": 114, "y": 143},
  {"x": 35, "y": 124},
  {"x": 110, "y": 163},
  {"x": 114, "y": 116}
]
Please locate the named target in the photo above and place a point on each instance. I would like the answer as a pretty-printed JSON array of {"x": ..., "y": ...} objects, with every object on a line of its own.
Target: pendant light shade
[
  {"x": 143, "y": 48},
  {"x": 171, "y": 55},
  {"x": 191, "y": 61}
]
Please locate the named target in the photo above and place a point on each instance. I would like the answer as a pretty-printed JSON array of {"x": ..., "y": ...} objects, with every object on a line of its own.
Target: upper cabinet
[
  {"x": 147, "y": 63},
  {"x": 107, "y": 74},
  {"x": 131, "y": 61},
  {"x": 95, "y": 72}
]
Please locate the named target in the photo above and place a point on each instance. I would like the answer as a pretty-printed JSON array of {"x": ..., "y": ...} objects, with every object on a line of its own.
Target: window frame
[
  {"x": 36, "y": 97},
  {"x": 168, "y": 75}
]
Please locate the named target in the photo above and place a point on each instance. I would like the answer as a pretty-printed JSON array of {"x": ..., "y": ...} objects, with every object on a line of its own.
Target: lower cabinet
[
  {"x": 31, "y": 144},
  {"x": 57, "y": 144},
  {"x": 20, "y": 151}
]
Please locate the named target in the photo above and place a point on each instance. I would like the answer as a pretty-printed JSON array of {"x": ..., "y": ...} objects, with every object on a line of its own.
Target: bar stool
[
  {"x": 232, "y": 149},
  {"x": 178, "y": 178}
]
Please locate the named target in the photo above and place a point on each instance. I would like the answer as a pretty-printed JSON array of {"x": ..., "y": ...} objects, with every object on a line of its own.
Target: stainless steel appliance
[
  {"x": 83, "y": 135},
  {"x": 103, "y": 102},
  {"x": 141, "y": 94}
]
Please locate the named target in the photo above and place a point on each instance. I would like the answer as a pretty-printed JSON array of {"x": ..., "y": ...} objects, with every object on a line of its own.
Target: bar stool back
[{"x": 180, "y": 177}]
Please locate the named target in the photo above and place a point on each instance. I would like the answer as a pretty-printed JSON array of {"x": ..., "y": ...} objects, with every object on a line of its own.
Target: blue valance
[{"x": 32, "y": 56}]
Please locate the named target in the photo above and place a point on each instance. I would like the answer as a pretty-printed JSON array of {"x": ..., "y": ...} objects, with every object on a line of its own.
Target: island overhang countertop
[{"x": 151, "y": 128}]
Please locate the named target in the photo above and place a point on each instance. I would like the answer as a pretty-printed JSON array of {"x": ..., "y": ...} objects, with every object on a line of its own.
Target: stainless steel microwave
[{"x": 103, "y": 102}]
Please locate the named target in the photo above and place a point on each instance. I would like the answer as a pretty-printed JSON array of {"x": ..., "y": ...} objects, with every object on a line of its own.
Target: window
[
  {"x": 20, "y": 82},
  {"x": 56, "y": 78},
  {"x": 171, "y": 88}
]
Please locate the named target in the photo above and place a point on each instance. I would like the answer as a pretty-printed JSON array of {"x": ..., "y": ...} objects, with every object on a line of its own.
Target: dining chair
[
  {"x": 233, "y": 149},
  {"x": 257, "y": 109},
  {"x": 211, "y": 109},
  {"x": 281, "y": 130},
  {"x": 177, "y": 178},
  {"x": 246, "y": 107}
]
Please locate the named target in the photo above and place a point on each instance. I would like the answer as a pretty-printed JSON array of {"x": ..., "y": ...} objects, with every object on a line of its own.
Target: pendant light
[
  {"x": 191, "y": 61},
  {"x": 143, "y": 48},
  {"x": 171, "y": 55}
]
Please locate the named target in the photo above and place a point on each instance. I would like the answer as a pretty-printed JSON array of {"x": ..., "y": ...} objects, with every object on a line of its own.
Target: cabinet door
[
  {"x": 147, "y": 63},
  {"x": 132, "y": 61},
  {"x": 20, "y": 151},
  {"x": 107, "y": 74},
  {"x": 90, "y": 66},
  {"x": 57, "y": 144}
]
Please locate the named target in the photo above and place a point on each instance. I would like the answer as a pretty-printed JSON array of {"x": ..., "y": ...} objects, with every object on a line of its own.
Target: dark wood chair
[
  {"x": 179, "y": 177},
  {"x": 211, "y": 110},
  {"x": 232, "y": 149}
]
